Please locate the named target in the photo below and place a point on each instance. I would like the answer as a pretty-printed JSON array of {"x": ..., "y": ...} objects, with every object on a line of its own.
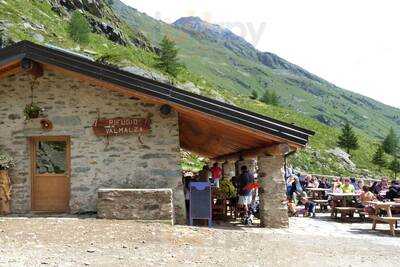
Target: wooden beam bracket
[{"x": 32, "y": 67}]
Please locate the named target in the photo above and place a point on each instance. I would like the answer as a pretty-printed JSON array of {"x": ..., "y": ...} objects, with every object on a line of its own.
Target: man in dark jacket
[
  {"x": 394, "y": 191},
  {"x": 245, "y": 195}
]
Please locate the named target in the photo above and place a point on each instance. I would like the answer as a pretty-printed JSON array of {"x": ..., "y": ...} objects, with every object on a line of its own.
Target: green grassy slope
[
  {"x": 234, "y": 64},
  {"x": 208, "y": 68}
]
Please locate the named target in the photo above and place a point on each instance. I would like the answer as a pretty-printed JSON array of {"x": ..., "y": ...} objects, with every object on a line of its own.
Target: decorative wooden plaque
[{"x": 120, "y": 126}]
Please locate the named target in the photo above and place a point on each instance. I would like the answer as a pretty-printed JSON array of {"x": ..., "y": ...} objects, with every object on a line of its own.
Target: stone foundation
[{"x": 135, "y": 204}]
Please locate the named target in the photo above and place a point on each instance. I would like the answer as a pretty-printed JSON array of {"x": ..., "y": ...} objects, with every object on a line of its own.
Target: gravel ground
[{"x": 82, "y": 241}]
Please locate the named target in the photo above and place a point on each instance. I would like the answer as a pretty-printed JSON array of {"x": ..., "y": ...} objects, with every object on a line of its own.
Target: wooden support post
[{"x": 250, "y": 163}]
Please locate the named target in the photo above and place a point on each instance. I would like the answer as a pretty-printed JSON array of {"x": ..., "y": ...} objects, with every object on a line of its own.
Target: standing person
[
  {"x": 216, "y": 174},
  {"x": 245, "y": 195}
]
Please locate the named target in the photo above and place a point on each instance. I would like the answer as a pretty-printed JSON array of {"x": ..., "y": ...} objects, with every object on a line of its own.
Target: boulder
[
  {"x": 344, "y": 157},
  {"x": 38, "y": 37},
  {"x": 148, "y": 74},
  {"x": 94, "y": 7},
  {"x": 191, "y": 87},
  {"x": 108, "y": 30},
  {"x": 5, "y": 39}
]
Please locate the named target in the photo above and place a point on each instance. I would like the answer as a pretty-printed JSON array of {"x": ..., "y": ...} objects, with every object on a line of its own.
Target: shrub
[
  {"x": 6, "y": 161},
  {"x": 79, "y": 28},
  {"x": 254, "y": 95},
  {"x": 270, "y": 98}
]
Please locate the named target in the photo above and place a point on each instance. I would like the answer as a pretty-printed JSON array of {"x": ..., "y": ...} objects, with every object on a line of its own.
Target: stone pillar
[
  {"x": 273, "y": 212},
  {"x": 228, "y": 170},
  {"x": 250, "y": 163}
]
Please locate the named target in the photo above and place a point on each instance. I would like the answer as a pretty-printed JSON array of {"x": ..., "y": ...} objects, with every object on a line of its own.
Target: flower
[{"x": 6, "y": 161}]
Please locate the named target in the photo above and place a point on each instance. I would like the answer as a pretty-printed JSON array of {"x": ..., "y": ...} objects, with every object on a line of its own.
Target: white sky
[{"x": 354, "y": 44}]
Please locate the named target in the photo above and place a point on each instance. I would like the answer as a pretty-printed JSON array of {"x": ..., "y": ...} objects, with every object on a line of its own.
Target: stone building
[{"x": 62, "y": 161}]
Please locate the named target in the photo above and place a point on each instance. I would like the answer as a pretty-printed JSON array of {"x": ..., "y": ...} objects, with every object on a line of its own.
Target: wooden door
[{"x": 51, "y": 168}]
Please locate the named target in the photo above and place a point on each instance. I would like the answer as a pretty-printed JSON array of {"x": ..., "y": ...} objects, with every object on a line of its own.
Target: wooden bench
[
  {"x": 392, "y": 221},
  {"x": 345, "y": 212},
  {"x": 322, "y": 203}
]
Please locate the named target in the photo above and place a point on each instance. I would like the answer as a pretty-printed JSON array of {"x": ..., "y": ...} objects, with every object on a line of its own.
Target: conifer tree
[
  {"x": 379, "y": 157},
  {"x": 79, "y": 28},
  {"x": 348, "y": 140},
  {"x": 391, "y": 143},
  {"x": 167, "y": 60},
  {"x": 394, "y": 166},
  {"x": 270, "y": 98}
]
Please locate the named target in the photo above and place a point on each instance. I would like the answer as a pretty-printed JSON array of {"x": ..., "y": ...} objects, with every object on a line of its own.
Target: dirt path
[{"x": 87, "y": 241}]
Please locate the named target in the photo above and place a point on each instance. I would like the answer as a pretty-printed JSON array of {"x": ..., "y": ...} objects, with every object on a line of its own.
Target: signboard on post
[
  {"x": 121, "y": 126},
  {"x": 200, "y": 202}
]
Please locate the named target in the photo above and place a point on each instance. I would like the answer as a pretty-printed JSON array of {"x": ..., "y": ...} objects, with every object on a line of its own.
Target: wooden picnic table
[
  {"x": 386, "y": 206},
  {"x": 343, "y": 196},
  {"x": 317, "y": 193},
  {"x": 344, "y": 208}
]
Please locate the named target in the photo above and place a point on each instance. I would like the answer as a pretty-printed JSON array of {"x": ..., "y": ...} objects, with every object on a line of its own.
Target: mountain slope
[
  {"x": 230, "y": 62},
  {"x": 126, "y": 38}
]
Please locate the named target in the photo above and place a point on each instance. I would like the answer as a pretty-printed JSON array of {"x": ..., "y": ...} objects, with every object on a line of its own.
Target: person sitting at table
[
  {"x": 347, "y": 187},
  {"x": 360, "y": 185},
  {"x": 381, "y": 188},
  {"x": 294, "y": 186},
  {"x": 374, "y": 188},
  {"x": 324, "y": 183},
  {"x": 337, "y": 186},
  {"x": 304, "y": 181},
  {"x": 312, "y": 183},
  {"x": 354, "y": 183},
  {"x": 383, "y": 185},
  {"x": 365, "y": 197},
  {"x": 394, "y": 191}
]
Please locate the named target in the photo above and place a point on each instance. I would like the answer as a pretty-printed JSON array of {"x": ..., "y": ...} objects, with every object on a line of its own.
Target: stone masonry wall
[
  {"x": 73, "y": 106},
  {"x": 135, "y": 204},
  {"x": 273, "y": 211}
]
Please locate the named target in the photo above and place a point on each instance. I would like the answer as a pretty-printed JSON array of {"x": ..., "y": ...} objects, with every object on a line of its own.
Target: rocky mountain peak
[{"x": 212, "y": 31}]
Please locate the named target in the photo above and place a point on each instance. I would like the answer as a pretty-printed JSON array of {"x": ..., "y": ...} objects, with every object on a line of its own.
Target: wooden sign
[{"x": 120, "y": 126}]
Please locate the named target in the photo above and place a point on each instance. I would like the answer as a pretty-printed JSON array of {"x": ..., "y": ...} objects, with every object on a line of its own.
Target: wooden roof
[{"x": 208, "y": 127}]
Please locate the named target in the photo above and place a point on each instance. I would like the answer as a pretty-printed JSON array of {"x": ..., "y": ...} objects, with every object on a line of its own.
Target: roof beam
[
  {"x": 10, "y": 70},
  {"x": 273, "y": 150}
]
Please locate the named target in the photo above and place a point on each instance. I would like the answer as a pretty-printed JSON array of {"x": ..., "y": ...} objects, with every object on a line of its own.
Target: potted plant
[
  {"x": 32, "y": 111},
  {"x": 6, "y": 162}
]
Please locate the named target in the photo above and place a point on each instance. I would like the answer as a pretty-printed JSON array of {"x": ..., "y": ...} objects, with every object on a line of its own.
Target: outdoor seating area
[
  {"x": 347, "y": 199},
  {"x": 335, "y": 199}
]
